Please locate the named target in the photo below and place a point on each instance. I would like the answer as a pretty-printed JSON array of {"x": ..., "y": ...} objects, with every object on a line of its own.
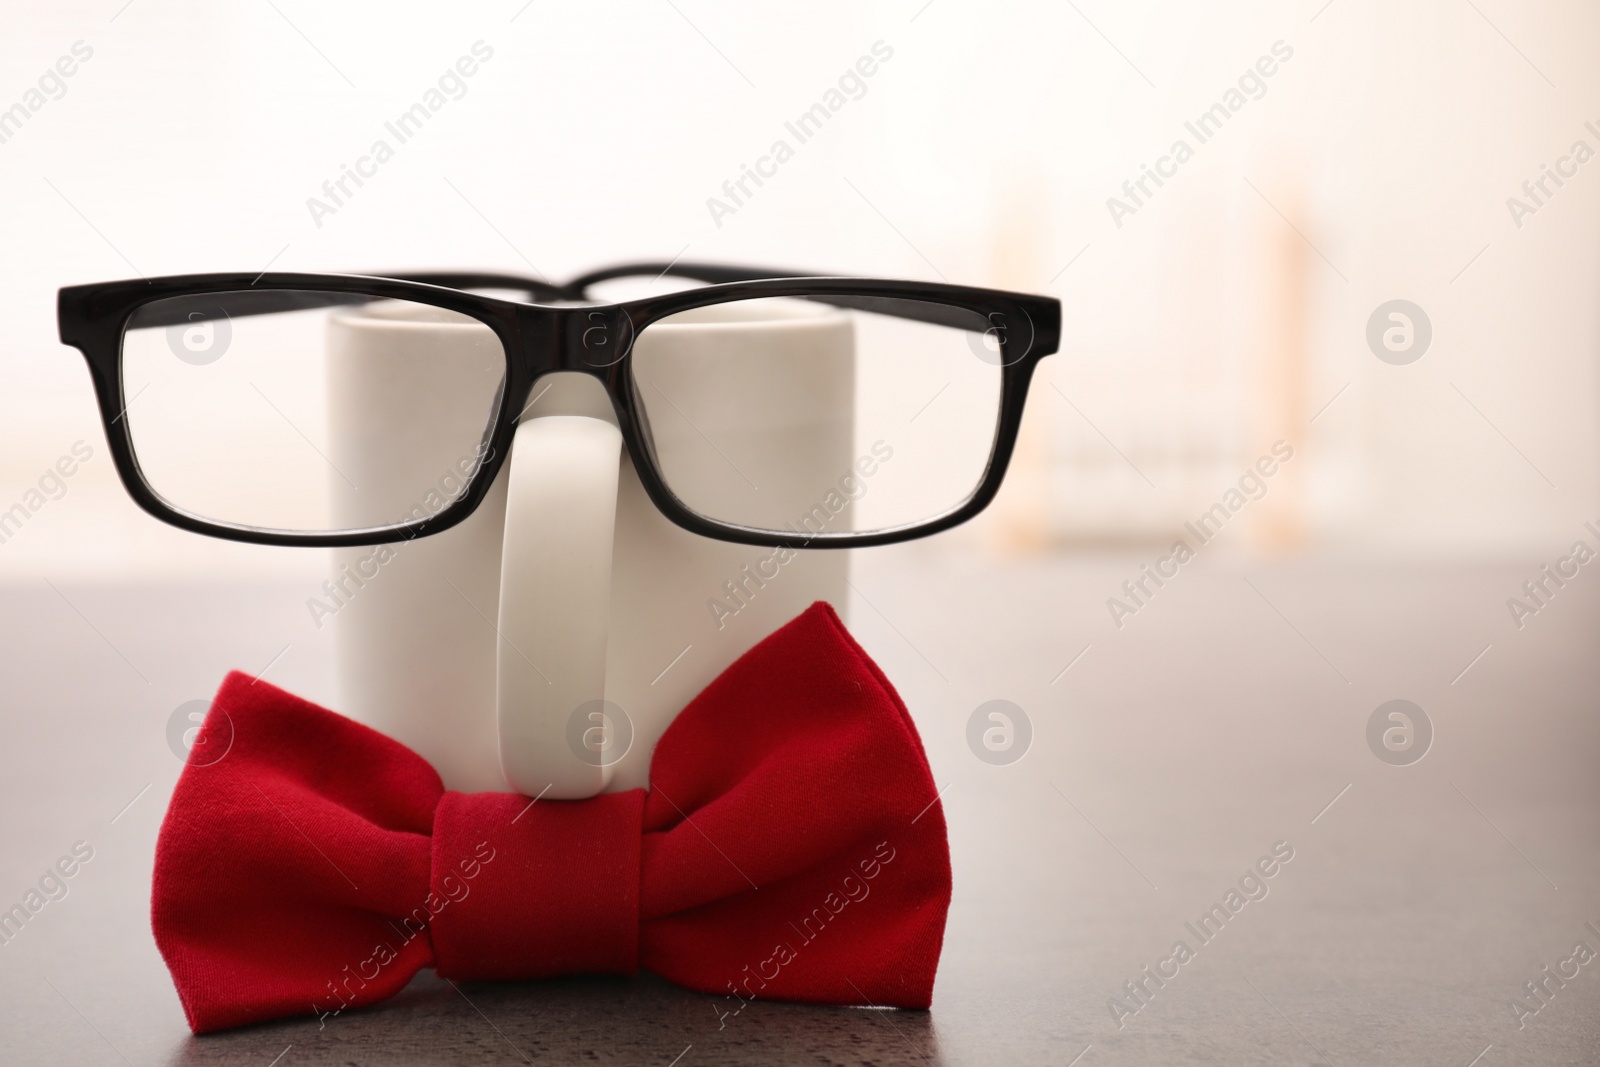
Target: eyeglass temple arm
[
  {"x": 713, "y": 274},
  {"x": 710, "y": 273},
  {"x": 539, "y": 289},
  {"x": 578, "y": 288}
]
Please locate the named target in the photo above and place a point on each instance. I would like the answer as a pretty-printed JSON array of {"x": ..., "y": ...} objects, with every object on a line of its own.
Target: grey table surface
[{"x": 1167, "y": 756}]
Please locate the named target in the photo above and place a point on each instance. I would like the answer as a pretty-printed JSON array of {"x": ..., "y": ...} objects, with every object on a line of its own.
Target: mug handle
[{"x": 555, "y": 596}]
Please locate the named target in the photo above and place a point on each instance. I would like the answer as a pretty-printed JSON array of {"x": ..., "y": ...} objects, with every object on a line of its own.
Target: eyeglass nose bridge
[
  {"x": 593, "y": 340},
  {"x": 589, "y": 340}
]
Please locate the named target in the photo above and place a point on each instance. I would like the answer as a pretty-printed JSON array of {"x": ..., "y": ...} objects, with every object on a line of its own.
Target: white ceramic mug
[{"x": 545, "y": 643}]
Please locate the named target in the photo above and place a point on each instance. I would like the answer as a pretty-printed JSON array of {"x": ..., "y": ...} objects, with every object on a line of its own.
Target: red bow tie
[{"x": 790, "y": 847}]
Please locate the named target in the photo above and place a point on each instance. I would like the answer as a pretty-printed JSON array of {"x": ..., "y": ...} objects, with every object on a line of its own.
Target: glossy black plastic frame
[{"x": 542, "y": 338}]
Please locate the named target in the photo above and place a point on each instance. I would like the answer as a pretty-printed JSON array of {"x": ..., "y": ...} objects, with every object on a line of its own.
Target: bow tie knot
[{"x": 556, "y": 888}]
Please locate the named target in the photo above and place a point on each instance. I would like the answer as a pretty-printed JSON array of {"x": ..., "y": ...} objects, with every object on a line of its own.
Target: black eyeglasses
[{"x": 331, "y": 410}]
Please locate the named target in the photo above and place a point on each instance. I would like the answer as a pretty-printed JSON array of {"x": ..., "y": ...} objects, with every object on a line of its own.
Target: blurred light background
[{"x": 1227, "y": 311}]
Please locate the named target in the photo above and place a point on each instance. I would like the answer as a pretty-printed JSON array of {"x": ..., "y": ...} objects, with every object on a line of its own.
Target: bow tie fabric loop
[
  {"x": 791, "y": 846},
  {"x": 508, "y": 867}
]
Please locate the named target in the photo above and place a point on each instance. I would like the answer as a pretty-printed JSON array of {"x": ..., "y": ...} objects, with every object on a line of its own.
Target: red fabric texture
[
  {"x": 576, "y": 862},
  {"x": 791, "y": 846}
]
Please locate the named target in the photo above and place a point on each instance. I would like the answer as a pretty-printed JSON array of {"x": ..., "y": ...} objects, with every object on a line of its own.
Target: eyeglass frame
[{"x": 538, "y": 339}]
